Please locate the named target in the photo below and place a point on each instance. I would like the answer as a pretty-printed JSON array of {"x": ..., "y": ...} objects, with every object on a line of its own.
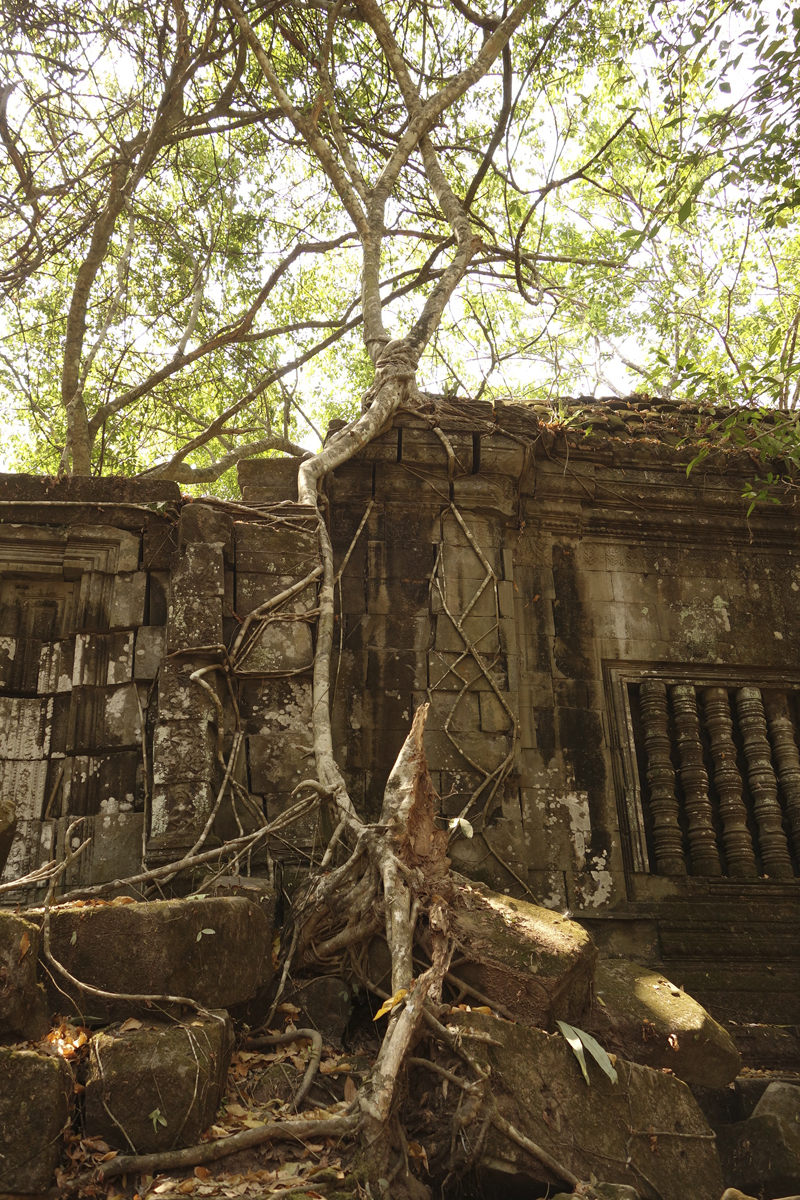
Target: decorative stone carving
[
  {"x": 786, "y": 756},
  {"x": 661, "y": 777},
  {"x": 735, "y": 835},
  {"x": 694, "y": 778},
  {"x": 763, "y": 784}
]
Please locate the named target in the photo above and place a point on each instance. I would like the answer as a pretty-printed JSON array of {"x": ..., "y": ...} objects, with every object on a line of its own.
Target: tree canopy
[{"x": 216, "y": 216}]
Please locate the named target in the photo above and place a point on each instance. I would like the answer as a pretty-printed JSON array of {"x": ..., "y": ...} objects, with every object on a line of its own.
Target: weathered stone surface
[
  {"x": 537, "y": 963},
  {"x": 195, "y": 605},
  {"x": 645, "y": 1131},
  {"x": 608, "y": 1191},
  {"x": 250, "y": 887},
  {"x": 273, "y": 479},
  {"x": 8, "y": 827},
  {"x": 203, "y": 523},
  {"x": 115, "y": 851},
  {"x": 762, "y": 1154},
  {"x": 150, "y": 649},
  {"x": 23, "y": 1009},
  {"x": 325, "y": 1004},
  {"x": 280, "y": 645},
  {"x": 174, "y": 1071},
  {"x": 640, "y": 1015},
  {"x": 35, "y": 1103},
  {"x": 210, "y": 950},
  {"x": 128, "y": 598}
]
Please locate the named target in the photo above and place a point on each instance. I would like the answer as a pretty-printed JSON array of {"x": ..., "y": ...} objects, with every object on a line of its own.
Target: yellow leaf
[{"x": 391, "y": 1003}]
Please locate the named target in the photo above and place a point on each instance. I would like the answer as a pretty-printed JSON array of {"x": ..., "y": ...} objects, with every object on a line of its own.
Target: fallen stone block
[
  {"x": 762, "y": 1154},
  {"x": 35, "y": 1103},
  {"x": 23, "y": 1005},
  {"x": 153, "y": 1086},
  {"x": 645, "y": 1131},
  {"x": 215, "y": 951},
  {"x": 640, "y": 1015},
  {"x": 535, "y": 962}
]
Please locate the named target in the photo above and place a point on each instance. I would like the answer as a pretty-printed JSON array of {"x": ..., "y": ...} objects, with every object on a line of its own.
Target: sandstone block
[
  {"x": 127, "y": 603},
  {"x": 23, "y": 1009},
  {"x": 645, "y": 1131},
  {"x": 8, "y": 827},
  {"x": 326, "y": 1003},
  {"x": 537, "y": 963},
  {"x": 150, "y": 650},
  {"x": 762, "y": 1154},
  {"x": 210, "y": 950},
  {"x": 157, "y": 1086},
  {"x": 35, "y": 1103},
  {"x": 640, "y": 1015},
  {"x": 204, "y": 523},
  {"x": 279, "y": 645}
]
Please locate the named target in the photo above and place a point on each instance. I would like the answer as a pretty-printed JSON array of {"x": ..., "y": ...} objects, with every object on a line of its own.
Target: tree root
[
  {"x": 282, "y": 1039},
  {"x": 194, "y": 1156}
]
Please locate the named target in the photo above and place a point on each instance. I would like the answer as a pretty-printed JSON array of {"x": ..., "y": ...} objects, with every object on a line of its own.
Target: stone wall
[{"x": 530, "y": 582}]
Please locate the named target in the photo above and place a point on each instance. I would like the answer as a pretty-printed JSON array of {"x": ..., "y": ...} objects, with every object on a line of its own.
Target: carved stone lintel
[
  {"x": 736, "y": 837},
  {"x": 694, "y": 780},
  {"x": 667, "y": 835},
  {"x": 763, "y": 784},
  {"x": 787, "y": 758}
]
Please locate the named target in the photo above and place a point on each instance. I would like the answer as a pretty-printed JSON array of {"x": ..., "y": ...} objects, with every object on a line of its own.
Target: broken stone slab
[
  {"x": 23, "y": 1006},
  {"x": 645, "y": 1131},
  {"x": 213, "y": 950},
  {"x": 762, "y": 1154},
  {"x": 538, "y": 964},
  {"x": 154, "y": 1086},
  {"x": 35, "y": 1103},
  {"x": 638, "y": 1014}
]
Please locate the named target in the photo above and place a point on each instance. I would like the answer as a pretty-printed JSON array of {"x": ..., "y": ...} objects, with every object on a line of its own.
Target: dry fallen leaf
[
  {"x": 131, "y": 1023},
  {"x": 24, "y": 945},
  {"x": 202, "y": 1173},
  {"x": 417, "y": 1151},
  {"x": 187, "y": 1187},
  {"x": 350, "y": 1090}
]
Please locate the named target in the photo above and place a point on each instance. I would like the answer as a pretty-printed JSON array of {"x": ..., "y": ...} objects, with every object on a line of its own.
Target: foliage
[{"x": 184, "y": 274}]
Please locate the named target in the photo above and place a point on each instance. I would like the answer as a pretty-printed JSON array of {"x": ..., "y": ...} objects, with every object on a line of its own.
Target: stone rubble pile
[{"x": 676, "y": 1124}]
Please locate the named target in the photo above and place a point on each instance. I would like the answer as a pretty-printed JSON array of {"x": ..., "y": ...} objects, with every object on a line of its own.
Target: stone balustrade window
[{"x": 712, "y": 774}]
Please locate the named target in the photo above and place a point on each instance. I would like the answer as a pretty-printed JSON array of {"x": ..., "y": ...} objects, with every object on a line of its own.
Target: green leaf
[
  {"x": 74, "y": 937},
  {"x": 576, "y": 1045},
  {"x": 685, "y": 210},
  {"x": 202, "y": 931},
  {"x": 157, "y": 1119},
  {"x": 598, "y": 1054},
  {"x": 579, "y": 1041}
]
